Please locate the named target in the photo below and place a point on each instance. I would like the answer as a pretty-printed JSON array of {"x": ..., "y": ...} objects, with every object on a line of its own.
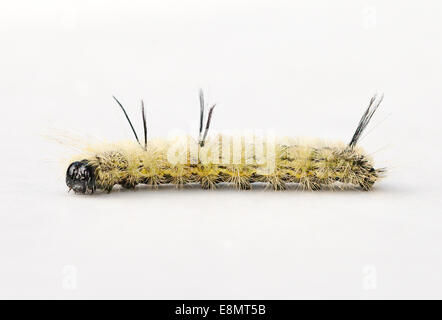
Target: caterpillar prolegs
[{"x": 238, "y": 161}]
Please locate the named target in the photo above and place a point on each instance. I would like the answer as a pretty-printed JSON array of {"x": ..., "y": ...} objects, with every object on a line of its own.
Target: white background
[{"x": 299, "y": 68}]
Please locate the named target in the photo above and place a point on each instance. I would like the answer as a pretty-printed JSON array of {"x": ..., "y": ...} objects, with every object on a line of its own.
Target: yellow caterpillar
[{"x": 240, "y": 161}]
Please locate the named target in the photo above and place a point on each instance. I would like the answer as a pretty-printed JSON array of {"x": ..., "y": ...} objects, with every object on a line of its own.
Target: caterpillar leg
[
  {"x": 129, "y": 184},
  {"x": 366, "y": 186},
  {"x": 207, "y": 183}
]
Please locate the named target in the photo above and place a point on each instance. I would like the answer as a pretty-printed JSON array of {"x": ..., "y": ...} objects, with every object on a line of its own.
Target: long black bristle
[
  {"x": 366, "y": 117},
  {"x": 144, "y": 124},
  {"x": 209, "y": 119},
  {"x": 127, "y": 117},
  {"x": 201, "y": 112}
]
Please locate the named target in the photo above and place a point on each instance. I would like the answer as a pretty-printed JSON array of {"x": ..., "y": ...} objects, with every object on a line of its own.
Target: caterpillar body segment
[{"x": 237, "y": 161}]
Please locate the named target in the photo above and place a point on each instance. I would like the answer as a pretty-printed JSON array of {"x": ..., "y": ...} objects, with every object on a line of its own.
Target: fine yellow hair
[{"x": 240, "y": 161}]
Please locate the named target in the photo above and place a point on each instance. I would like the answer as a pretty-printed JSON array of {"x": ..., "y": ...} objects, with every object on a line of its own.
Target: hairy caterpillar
[{"x": 240, "y": 161}]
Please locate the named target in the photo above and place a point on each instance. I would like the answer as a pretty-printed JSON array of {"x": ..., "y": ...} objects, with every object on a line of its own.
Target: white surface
[{"x": 297, "y": 68}]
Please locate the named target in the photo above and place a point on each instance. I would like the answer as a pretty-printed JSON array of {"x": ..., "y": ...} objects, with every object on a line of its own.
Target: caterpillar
[{"x": 239, "y": 161}]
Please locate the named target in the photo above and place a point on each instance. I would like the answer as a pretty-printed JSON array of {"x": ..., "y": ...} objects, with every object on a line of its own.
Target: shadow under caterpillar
[{"x": 239, "y": 161}]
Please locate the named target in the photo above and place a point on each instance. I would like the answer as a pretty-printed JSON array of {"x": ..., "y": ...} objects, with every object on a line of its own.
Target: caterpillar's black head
[{"x": 80, "y": 177}]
